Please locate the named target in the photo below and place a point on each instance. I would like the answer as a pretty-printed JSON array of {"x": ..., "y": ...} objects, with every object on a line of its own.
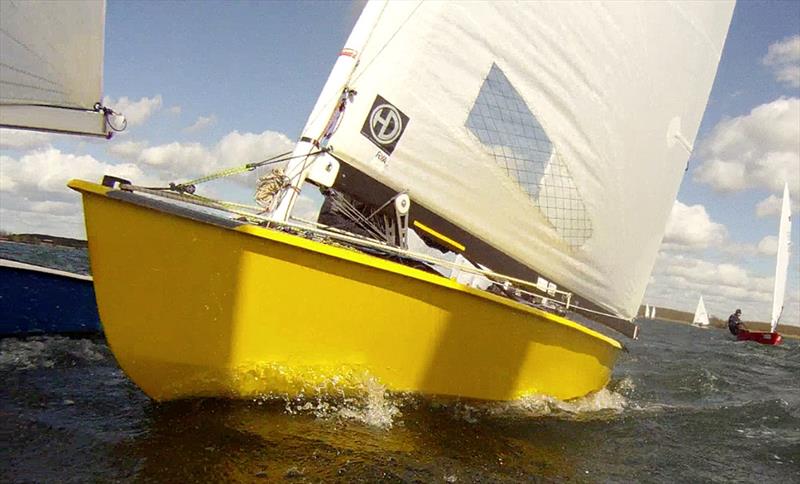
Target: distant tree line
[{"x": 41, "y": 239}]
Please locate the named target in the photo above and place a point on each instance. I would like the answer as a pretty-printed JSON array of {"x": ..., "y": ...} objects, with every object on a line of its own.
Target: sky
[{"x": 207, "y": 85}]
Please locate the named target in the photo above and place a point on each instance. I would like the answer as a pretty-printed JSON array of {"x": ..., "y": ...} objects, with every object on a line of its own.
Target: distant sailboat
[
  {"x": 511, "y": 134},
  {"x": 700, "y": 315},
  {"x": 781, "y": 275}
]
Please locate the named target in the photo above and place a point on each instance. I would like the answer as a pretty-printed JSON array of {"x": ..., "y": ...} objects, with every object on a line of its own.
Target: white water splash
[
  {"x": 371, "y": 403},
  {"x": 598, "y": 404}
]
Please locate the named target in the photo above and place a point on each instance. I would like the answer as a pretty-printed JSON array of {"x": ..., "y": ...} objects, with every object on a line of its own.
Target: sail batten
[
  {"x": 51, "y": 66},
  {"x": 538, "y": 127}
]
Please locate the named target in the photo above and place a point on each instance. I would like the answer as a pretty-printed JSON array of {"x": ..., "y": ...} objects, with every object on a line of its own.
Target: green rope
[
  {"x": 189, "y": 186},
  {"x": 219, "y": 174}
]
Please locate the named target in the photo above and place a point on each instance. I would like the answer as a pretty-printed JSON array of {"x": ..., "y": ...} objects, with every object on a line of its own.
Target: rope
[
  {"x": 190, "y": 186},
  {"x": 311, "y": 227},
  {"x": 269, "y": 186}
]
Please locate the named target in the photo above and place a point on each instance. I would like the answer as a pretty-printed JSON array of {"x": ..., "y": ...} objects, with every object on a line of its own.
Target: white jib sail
[
  {"x": 557, "y": 132},
  {"x": 51, "y": 65},
  {"x": 782, "y": 264},
  {"x": 700, "y": 314}
]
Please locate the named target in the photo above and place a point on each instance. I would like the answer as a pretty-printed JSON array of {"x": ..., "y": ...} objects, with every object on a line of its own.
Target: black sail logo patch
[{"x": 384, "y": 125}]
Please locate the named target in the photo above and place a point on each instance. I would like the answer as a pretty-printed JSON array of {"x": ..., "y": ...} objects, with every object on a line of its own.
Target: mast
[
  {"x": 322, "y": 121},
  {"x": 782, "y": 259}
]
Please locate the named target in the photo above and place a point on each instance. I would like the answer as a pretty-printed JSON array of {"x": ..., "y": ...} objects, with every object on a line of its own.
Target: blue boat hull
[{"x": 37, "y": 301}]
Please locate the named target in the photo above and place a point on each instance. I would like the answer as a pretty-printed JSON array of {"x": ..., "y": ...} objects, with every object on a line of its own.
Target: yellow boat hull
[{"x": 192, "y": 308}]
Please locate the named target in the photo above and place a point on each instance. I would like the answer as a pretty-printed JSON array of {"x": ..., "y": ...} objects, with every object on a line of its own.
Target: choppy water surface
[{"x": 685, "y": 404}]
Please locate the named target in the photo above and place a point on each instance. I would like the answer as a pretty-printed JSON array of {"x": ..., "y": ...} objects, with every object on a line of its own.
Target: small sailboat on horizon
[{"x": 700, "y": 315}]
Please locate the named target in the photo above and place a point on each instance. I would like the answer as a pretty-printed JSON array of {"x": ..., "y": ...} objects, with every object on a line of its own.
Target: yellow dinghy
[
  {"x": 191, "y": 306},
  {"x": 523, "y": 144}
]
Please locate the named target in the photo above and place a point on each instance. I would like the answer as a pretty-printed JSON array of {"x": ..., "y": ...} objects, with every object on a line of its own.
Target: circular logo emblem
[{"x": 385, "y": 124}]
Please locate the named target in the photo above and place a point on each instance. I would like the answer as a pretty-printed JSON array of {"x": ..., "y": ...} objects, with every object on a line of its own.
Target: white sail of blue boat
[
  {"x": 51, "y": 66},
  {"x": 51, "y": 79}
]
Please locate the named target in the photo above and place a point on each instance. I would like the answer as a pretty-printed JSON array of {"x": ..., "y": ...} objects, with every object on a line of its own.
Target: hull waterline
[
  {"x": 196, "y": 306},
  {"x": 39, "y": 300},
  {"x": 763, "y": 337}
]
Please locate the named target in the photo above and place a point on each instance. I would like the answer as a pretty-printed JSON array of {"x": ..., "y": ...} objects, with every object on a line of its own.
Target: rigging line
[
  {"x": 227, "y": 172},
  {"x": 352, "y": 238},
  {"x": 31, "y": 74},
  {"x": 26, "y": 47},
  {"x": 36, "y": 88},
  {"x": 386, "y": 44},
  {"x": 385, "y": 204},
  {"x": 341, "y": 204},
  {"x": 336, "y": 99},
  {"x": 40, "y": 104}
]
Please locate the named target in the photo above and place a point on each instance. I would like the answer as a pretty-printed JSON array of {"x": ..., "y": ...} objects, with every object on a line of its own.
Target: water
[
  {"x": 685, "y": 404},
  {"x": 68, "y": 259}
]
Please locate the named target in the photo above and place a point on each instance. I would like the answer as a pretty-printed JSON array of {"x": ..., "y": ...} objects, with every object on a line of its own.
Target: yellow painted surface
[
  {"x": 439, "y": 236},
  {"x": 194, "y": 309}
]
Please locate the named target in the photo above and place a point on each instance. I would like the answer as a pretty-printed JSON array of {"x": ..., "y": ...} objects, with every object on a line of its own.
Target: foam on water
[
  {"x": 375, "y": 406},
  {"x": 368, "y": 402},
  {"x": 48, "y": 352}
]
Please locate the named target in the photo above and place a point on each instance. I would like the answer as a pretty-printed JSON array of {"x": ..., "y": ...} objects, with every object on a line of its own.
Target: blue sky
[{"x": 208, "y": 84}]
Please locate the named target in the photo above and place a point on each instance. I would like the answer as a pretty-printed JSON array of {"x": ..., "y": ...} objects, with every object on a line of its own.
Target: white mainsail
[
  {"x": 700, "y": 314},
  {"x": 782, "y": 264},
  {"x": 652, "y": 312},
  {"x": 51, "y": 66},
  {"x": 544, "y": 129}
]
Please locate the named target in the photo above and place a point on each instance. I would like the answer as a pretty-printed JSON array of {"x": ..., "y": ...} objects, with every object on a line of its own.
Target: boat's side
[
  {"x": 762, "y": 337},
  {"x": 192, "y": 308},
  {"x": 36, "y": 300}
]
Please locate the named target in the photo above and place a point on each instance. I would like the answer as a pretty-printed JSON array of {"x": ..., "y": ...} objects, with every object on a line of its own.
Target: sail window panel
[{"x": 512, "y": 135}]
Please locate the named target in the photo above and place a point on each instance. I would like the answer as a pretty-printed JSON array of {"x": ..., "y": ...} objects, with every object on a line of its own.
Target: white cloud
[
  {"x": 784, "y": 59},
  {"x": 679, "y": 280},
  {"x": 202, "y": 123},
  {"x": 29, "y": 221},
  {"x": 43, "y": 174},
  {"x": 136, "y": 112},
  {"x": 740, "y": 249},
  {"x": 768, "y": 245},
  {"x": 772, "y": 206},
  {"x": 175, "y": 110},
  {"x": 127, "y": 150},
  {"x": 18, "y": 139},
  {"x": 176, "y": 158},
  {"x": 34, "y": 192},
  {"x": 691, "y": 227},
  {"x": 757, "y": 150},
  {"x": 186, "y": 160}
]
